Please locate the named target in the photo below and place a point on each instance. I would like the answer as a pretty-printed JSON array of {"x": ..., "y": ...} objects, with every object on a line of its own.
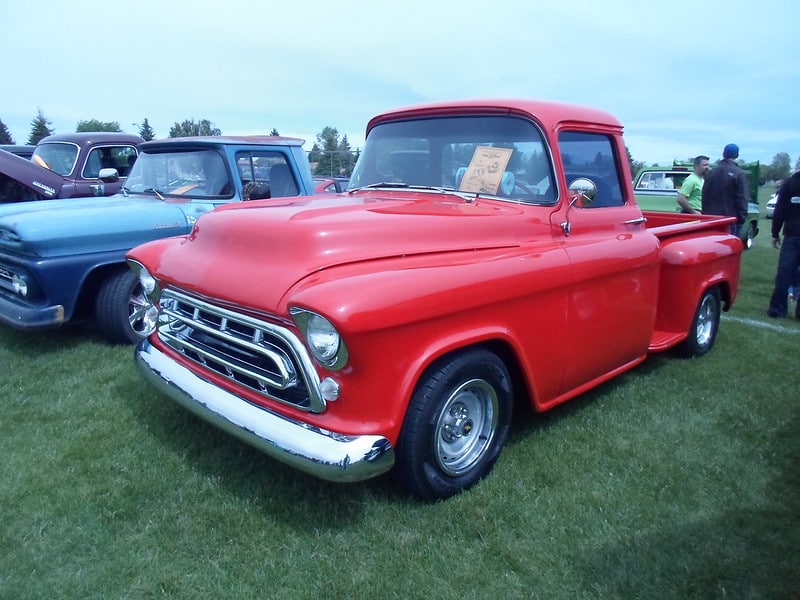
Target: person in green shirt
[{"x": 691, "y": 192}]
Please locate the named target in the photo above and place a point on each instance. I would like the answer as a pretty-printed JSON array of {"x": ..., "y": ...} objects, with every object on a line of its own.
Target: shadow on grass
[
  {"x": 292, "y": 495},
  {"x": 526, "y": 420},
  {"x": 281, "y": 491},
  {"x": 746, "y": 552},
  {"x": 47, "y": 341}
]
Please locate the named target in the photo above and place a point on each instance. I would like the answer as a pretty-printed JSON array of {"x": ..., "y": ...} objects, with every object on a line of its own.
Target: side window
[
  {"x": 591, "y": 155},
  {"x": 120, "y": 158},
  {"x": 265, "y": 174},
  {"x": 660, "y": 180},
  {"x": 649, "y": 181}
]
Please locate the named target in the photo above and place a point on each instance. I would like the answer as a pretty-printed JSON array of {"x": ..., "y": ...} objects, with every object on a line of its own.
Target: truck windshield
[
  {"x": 188, "y": 173},
  {"x": 59, "y": 157},
  {"x": 499, "y": 156}
]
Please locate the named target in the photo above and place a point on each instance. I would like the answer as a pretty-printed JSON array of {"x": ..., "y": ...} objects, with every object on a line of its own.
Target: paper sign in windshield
[{"x": 485, "y": 170}]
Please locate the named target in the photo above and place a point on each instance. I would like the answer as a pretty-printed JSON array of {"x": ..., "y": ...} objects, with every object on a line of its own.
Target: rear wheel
[
  {"x": 456, "y": 424},
  {"x": 705, "y": 324},
  {"x": 123, "y": 313}
]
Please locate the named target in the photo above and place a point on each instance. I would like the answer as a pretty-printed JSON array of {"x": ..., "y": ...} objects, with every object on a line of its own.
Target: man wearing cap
[{"x": 725, "y": 189}]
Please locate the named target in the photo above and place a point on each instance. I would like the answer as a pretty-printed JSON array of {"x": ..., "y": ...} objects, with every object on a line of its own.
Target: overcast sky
[{"x": 685, "y": 78}]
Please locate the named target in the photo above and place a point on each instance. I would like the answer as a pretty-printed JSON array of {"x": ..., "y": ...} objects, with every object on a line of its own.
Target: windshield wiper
[
  {"x": 469, "y": 196},
  {"x": 381, "y": 184},
  {"x": 154, "y": 191}
]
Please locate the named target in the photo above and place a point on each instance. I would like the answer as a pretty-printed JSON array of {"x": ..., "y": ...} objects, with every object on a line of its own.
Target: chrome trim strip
[{"x": 319, "y": 452}]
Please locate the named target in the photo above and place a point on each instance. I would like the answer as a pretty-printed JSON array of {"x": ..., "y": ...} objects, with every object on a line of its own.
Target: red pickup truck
[{"x": 485, "y": 252}]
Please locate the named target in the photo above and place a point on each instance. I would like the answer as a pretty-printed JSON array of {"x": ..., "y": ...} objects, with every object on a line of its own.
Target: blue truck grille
[
  {"x": 261, "y": 356},
  {"x": 6, "y": 277}
]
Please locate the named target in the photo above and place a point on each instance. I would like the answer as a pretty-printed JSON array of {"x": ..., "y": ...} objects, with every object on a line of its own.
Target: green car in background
[{"x": 656, "y": 188}]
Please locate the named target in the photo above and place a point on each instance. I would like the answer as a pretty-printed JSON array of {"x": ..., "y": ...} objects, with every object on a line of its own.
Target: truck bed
[{"x": 667, "y": 224}]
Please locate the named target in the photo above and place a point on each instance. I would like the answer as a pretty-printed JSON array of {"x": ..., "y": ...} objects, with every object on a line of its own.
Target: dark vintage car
[{"x": 69, "y": 166}]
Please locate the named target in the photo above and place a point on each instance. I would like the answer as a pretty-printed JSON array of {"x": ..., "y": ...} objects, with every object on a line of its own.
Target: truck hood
[
  {"x": 42, "y": 181},
  {"x": 281, "y": 243},
  {"x": 79, "y": 225}
]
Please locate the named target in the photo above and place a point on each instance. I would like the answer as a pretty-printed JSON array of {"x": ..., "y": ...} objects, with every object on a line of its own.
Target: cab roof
[
  {"x": 216, "y": 140},
  {"x": 548, "y": 113}
]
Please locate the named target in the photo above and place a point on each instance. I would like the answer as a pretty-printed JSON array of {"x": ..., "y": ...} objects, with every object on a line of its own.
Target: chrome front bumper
[{"x": 324, "y": 454}]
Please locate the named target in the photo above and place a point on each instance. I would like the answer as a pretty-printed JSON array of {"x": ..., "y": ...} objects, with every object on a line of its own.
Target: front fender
[{"x": 409, "y": 312}]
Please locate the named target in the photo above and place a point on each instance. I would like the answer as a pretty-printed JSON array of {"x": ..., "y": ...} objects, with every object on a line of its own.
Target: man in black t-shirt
[{"x": 786, "y": 217}]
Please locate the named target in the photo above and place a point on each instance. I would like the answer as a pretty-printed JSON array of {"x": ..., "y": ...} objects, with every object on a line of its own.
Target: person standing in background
[
  {"x": 725, "y": 189},
  {"x": 786, "y": 217},
  {"x": 691, "y": 191}
]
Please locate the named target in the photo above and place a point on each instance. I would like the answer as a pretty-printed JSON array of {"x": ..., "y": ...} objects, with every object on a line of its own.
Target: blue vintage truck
[{"x": 64, "y": 260}]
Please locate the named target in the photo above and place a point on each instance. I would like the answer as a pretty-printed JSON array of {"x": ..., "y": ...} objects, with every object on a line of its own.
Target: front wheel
[
  {"x": 705, "y": 324},
  {"x": 122, "y": 311},
  {"x": 456, "y": 424}
]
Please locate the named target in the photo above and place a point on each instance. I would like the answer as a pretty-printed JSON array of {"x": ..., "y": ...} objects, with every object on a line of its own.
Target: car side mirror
[
  {"x": 109, "y": 175},
  {"x": 585, "y": 190}
]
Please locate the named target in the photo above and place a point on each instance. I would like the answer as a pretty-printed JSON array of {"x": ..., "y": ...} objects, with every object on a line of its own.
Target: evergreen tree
[
  {"x": 146, "y": 132},
  {"x": 331, "y": 157},
  {"x": 315, "y": 155},
  {"x": 190, "y": 128},
  {"x": 95, "y": 125},
  {"x": 5, "y": 135},
  {"x": 274, "y": 132},
  {"x": 329, "y": 161},
  {"x": 634, "y": 164},
  {"x": 347, "y": 157},
  {"x": 40, "y": 128}
]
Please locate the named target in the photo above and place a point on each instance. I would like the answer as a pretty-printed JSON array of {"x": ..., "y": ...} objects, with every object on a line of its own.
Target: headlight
[
  {"x": 323, "y": 340},
  {"x": 146, "y": 280},
  {"x": 19, "y": 285}
]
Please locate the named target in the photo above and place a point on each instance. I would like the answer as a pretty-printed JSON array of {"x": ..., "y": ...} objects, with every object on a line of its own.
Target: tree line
[{"x": 330, "y": 156}]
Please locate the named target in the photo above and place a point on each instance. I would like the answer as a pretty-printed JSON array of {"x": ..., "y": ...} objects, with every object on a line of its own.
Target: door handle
[{"x": 636, "y": 221}]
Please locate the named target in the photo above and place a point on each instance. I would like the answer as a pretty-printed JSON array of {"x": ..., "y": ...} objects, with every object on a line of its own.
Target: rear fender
[{"x": 689, "y": 266}]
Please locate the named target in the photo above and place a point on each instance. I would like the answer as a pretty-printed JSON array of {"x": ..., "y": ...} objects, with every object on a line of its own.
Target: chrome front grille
[{"x": 264, "y": 357}]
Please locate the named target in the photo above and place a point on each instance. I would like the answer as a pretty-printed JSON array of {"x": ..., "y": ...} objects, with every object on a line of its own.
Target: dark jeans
[{"x": 786, "y": 275}]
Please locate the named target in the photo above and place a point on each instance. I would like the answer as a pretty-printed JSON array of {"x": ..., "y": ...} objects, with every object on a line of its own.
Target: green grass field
[{"x": 679, "y": 479}]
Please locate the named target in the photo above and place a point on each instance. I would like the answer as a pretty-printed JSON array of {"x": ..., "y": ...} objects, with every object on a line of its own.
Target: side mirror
[
  {"x": 585, "y": 190},
  {"x": 108, "y": 175}
]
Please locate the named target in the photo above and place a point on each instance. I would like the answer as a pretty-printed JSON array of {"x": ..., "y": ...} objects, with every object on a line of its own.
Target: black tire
[
  {"x": 456, "y": 424},
  {"x": 705, "y": 325},
  {"x": 122, "y": 311}
]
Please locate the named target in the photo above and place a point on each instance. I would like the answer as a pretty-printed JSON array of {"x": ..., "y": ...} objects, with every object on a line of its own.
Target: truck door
[{"x": 613, "y": 264}]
